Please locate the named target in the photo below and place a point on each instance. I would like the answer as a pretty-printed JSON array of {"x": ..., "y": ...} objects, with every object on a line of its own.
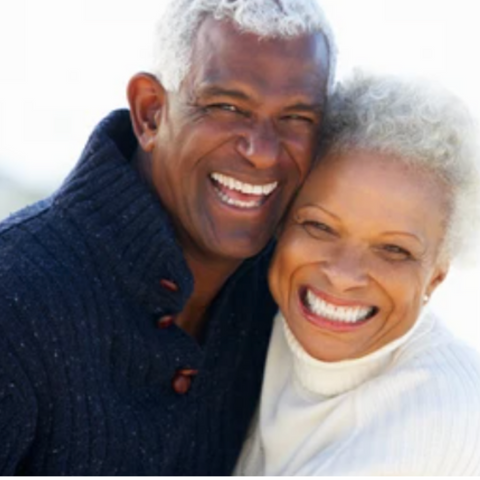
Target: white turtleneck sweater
[{"x": 410, "y": 408}]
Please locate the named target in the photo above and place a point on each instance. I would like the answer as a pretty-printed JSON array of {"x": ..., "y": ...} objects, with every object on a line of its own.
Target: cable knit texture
[
  {"x": 410, "y": 408},
  {"x": 85, "y": 373}
]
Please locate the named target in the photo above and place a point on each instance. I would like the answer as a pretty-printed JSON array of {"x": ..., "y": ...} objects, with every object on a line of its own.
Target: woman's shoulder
[
  {"x": 427, "y": 404},
  {"x": 436, "y": 369},
  {"x": 441, "y": 356}
]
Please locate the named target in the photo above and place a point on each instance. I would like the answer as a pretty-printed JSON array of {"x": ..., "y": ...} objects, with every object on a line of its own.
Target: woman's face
[{"x": 358, "y": 253}]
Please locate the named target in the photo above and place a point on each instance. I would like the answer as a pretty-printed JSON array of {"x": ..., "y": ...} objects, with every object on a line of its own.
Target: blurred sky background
[{"x": 65, "y": 65}]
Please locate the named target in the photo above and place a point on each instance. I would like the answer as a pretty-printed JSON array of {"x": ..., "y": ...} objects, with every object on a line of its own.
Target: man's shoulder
[
  {"x": 18, "y": 232},
  {"x": 31, "y": 245},
  {"x": 24, "y": 216}
]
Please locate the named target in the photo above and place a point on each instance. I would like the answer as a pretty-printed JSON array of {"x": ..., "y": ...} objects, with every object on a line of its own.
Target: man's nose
[
  {"x": 260, "y": 145},
  {"x": 346, "y": 269}
]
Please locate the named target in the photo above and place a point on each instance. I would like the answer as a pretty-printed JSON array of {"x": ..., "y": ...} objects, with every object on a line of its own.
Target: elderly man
[{"x": 133, "y": 301}]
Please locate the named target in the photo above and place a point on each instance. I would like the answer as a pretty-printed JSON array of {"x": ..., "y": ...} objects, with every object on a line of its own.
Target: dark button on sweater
[
  {"x": 169, "y": 285},
  {"x": 165, "y": 321},
  {"x": 182, "y": 381}
]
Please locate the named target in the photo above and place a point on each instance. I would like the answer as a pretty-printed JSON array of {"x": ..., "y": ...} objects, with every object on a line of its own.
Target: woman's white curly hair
[
  {"x": 422, "y": 125},
  {"x": 181, "y": 19}
]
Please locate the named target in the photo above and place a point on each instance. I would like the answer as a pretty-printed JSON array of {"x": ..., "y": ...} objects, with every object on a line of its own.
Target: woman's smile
[
  {"x": 327, "y": 312},
  {"x": 356, "y": 257}
]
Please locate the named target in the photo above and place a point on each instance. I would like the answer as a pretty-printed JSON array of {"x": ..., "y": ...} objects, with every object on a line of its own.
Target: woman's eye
[
  {"x": 299, "y": 118},
  {"x": 317, "y": 229},
  {"x": 396, "y": 252}
]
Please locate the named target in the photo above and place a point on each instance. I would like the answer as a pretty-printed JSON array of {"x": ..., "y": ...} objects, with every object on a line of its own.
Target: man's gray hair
[
  {"x": 422, "y": 125},
  {"x": 177, "y": 29}
]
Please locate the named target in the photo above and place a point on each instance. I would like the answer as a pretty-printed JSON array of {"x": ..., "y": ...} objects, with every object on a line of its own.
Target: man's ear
[{"x": 146, "y": 97}]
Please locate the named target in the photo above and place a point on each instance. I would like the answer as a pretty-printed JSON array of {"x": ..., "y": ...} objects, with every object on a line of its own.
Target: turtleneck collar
[{"x": 329, "y": 379}]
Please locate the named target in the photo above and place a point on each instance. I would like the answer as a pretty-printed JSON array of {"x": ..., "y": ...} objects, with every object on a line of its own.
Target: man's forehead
[
  {"x": 214, "y": 33},
  {"x": 296, "y": 67}
]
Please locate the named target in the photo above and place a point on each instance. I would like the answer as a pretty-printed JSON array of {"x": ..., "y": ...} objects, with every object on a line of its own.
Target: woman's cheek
[{"x": 291, "y": 256}]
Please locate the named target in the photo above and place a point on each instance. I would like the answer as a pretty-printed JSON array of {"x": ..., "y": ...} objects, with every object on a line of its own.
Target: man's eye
[{"x": 226, "y": 107}]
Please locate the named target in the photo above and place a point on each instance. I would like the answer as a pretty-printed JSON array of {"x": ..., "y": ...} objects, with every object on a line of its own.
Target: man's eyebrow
[
  {"x": 217, "y": 91},
  {"x": 212, "y": 91}
]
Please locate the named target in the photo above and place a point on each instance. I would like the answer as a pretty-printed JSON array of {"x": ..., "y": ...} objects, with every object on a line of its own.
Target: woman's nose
[{"x": 346, "y": 269}]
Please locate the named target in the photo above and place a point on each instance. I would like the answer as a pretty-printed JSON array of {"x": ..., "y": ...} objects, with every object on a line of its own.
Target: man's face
[{"x": 236, "y": 141}]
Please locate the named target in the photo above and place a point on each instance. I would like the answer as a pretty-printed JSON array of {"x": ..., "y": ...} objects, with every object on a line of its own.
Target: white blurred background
[{"x": 64, "y": 65}]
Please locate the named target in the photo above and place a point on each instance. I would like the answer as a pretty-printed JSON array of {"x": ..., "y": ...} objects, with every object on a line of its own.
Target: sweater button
[
  {"x": 169, "y": 285},
  {"x": 182, "y": 380},
  {"x": 165, "y": 321}
]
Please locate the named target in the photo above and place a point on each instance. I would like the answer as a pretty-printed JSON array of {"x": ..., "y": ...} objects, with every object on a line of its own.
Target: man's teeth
[
  {"x": 246, "y": 188},
  {"x": 335, "y": 313},
  {"x": 238, "y": 203}
]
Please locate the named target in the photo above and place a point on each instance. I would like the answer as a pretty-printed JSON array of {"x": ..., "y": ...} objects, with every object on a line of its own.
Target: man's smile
[{"x": 236, "y": 193}]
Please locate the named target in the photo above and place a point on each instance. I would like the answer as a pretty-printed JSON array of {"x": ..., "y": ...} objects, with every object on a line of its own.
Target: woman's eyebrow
[{"x": 318, "y": 207}]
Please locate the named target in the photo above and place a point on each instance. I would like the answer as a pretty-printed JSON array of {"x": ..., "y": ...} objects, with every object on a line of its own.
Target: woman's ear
[
  {"x": 146, "y": 97},
  {"x": 438, "y": 277}
]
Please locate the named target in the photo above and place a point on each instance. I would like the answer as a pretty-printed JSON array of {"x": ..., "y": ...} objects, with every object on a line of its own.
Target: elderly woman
[{"x": 360, "y": 378}]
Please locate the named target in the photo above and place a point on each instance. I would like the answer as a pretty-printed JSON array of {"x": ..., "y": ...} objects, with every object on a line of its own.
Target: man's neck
[
  {"x": 209, "y": 278},
  {"x": 209, "y": 274}
]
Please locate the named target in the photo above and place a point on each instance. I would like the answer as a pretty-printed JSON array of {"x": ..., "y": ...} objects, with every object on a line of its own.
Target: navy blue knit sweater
[{"x": 85, "y": 372}]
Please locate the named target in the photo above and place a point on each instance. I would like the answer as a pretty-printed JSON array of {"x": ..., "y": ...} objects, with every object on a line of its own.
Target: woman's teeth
[{"x": 335, "y": 313}]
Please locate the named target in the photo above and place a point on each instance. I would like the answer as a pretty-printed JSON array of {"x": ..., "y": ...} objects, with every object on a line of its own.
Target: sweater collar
[
  {"x": 329, "y": 379},
  {"x": 125, "y": 221}
]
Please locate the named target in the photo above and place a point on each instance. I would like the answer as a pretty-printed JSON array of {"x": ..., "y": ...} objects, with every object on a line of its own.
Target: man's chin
[{"x": 237, "y": 249}]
